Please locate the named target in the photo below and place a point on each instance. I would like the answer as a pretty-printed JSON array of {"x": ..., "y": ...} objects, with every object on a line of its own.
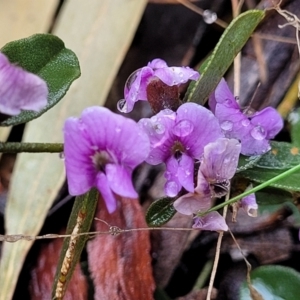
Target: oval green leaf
[
  {"x": 282, "y": 156},
  {"x": 230, "y": 44},
  {"x": 260, "y": 175},
  {"x": 247, "y": 162},
  {"x": 273, "y": 282},
  {"x": 46, "y": 56},
  {"x": 160, "y": 212},
  {"x": 81, "y": 217}
]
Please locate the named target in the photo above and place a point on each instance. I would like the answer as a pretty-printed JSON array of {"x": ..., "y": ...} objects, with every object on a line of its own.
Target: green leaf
[
  {"x": 273, "y": 282},
  {"x": 80, "y": 221},
  {"x": 260, "y": 175},
  {"x": 160, "y": 212},
  {"x": 230, "y": 44},
  {"x": 247, "y": 162},
  {"x": 294, "y": 119},
  {"x": 46, "y": 56},
  {"x": 282, "y": 156}
]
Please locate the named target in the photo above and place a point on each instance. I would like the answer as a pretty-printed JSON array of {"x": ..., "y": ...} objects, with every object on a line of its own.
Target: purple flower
[
  {"x": 19, "y": 89},
  {"x": 136, "y": 85},
  {"x": 254, "y": 131},
  {"x": 212, "y": 221},
  {"x": 101, "y": 150},
  {"x": 177, "y": 138},
  {"x": 249, "y": 204},
  {"x": 218, "y": 166}
]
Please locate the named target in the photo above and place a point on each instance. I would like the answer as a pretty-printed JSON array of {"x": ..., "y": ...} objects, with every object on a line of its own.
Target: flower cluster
[
  {"x": 19, "y": 89},
  {"x": 199, "y": 147}
]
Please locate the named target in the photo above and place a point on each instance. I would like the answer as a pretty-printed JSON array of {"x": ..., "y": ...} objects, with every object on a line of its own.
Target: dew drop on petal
[
  {"x": 258, "y": 133},
  {"x": 132, "y": 77},
  {"x": 61, "y": 155},
  {"x": 183, "y": 128},
  {"x": 245, "y": 122},
  {"x": 227, "y": 125},
  {"x": 122, "y": 106},
  {"x": 159, "y": 128},
  {"x": 171, "y": 188},
  {"x": 118, "y": 129},
  {"x": 209, "y": 16}
]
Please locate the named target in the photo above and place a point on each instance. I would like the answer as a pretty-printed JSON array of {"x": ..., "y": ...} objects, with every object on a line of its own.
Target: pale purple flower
[
  {"x": 213, "y": 221},
  {"x": 136, "y": 85},
  {"x": 249, "y": 204},
  {"x": 218, "y": 166},
  {"x": 254, "y": 131},
  {"x": 176, "y": 139},
  {"x": 101, "y": 150},
  {"x": 19, "y": 89}
]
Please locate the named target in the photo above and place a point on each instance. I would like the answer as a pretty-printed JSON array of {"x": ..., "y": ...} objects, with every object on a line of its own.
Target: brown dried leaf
[
  {"x": 121, "y": 265},
  {"x": 42, "y": 275}
]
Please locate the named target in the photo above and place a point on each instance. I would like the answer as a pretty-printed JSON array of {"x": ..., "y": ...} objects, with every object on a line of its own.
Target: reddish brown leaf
[
  {"x": 121, "y": 265},
  {"x": 42, "y": 275}
]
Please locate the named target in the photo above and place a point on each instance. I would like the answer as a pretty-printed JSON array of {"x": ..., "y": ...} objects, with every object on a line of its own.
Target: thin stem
[
  {"x": 31, "y": 147},
  {"x": 255, "y": 189},
  {"x": 217, "y": 257}
]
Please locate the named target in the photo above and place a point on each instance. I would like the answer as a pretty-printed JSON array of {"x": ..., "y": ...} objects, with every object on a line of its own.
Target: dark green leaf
[
  {"x": 81, "y": 217},
  {"x": 273, "y": 282},
  {"x": 260, "y": 175},
  {"x": 46, "y": 56},
  {"x": 247, "y": 162},
  {"x": 230, "y": 44},
  {"x": 282, "y": 156},
  {"x": 160, "y": 212},
  {"x": 294, "y": 119}
]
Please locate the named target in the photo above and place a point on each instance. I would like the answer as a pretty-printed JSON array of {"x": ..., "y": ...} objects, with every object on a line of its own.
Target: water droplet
[
  {"x": 187, "y": 173},
  {"x": 171, "y": 188},
  {"x": 118, "y": 129},
  {"x": 183, "y": 128},
  {"x": 154, "y": 119},
  {"x": 245, "y": 122},
  {"x": 122, "y": 106},
  {"x": 258, "y": 133},
  {"x": 227, "y": 103},
  {"x": 227, "y": 125},
  {"x": 159, "y": 128},
  {"x": 61, "y": 155},
  {"x": 180, "y": 74},
  {"x": 131, "y": 79},
  {"x": 209, "y": 16}
]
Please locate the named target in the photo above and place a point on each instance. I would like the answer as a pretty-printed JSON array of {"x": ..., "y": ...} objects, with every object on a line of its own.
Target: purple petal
[
  {"x": 220, "y": 159},
  {"x": 135, "y": 87},
  {"x": 126, "y": 142},
  {"x": 249, "y": 204},
  {"x": 80, "y": 171},
  {"x": 176, "y": 75},
  {"x": 202, "y": 187},
  {"x": 109, "y": 198},
  {"x": 186, "y": 172},
  {"x": 270, "y": 120},
  {"x": 119, "y": 180},
  {"x": 19, "y": 89},
  {"x": 212, "y": 221},
  {"x": 157, "y": 63},
  {"x": 172, "y": 186},
  {"x": 190, "y": 203},
  {"x": 224, "y": 96},
  {"x": 205, "y": 128},
  {"x": 158, "y": 130}
]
